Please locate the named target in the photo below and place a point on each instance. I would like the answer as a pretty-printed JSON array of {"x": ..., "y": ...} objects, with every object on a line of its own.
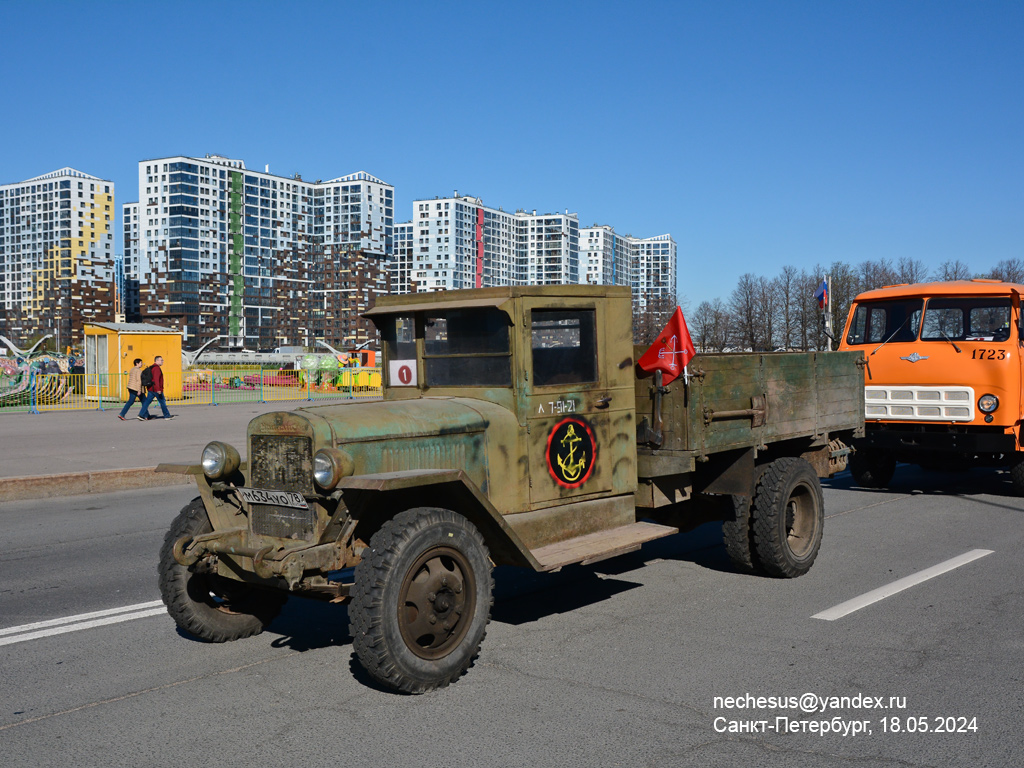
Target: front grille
[
  {"x": 919, "y": 403},
  {"x": 283, "y": 522},
  {"x": 282, "y": 463}
]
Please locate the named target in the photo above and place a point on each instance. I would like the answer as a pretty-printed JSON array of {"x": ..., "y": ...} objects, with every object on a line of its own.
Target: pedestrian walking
[
  {"x": 154, "y": 389},
  {"x": 134, "y": 387}
]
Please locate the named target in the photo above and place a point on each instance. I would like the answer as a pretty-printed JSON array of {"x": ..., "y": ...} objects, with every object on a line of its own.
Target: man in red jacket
[{"x": 155, "y": 390}]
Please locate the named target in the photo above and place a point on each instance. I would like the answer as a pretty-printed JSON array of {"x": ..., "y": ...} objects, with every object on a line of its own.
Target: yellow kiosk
[{"x": 111, "y": 347}]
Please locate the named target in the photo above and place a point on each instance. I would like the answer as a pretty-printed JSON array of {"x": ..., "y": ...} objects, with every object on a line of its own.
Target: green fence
[{"x": 33, "y": 392}]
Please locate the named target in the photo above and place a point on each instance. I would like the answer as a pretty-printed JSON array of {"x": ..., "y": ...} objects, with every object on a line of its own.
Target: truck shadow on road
[
  {"x": 522, "y": 596},
  {"x": 306, "y": 625},
  {"x": 968, "y": 484}
]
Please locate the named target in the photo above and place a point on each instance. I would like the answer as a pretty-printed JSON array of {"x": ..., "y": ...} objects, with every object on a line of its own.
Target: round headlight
[
  {"x": 219, "y": 459},
  {"x": 330, "y": 465},
  {"x": 323, "y": 470},
  {"x": 988, "y": 403}
]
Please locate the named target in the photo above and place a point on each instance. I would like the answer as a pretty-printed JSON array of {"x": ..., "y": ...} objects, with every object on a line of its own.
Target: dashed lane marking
[{"x": 844, "y": 609}]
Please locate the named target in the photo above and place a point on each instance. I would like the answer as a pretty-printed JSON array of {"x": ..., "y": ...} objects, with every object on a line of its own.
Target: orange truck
[{"x": 942, "y": 383}]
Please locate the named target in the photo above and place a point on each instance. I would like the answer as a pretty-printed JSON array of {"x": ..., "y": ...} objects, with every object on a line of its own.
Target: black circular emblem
[{"x": 571, "y": 452}]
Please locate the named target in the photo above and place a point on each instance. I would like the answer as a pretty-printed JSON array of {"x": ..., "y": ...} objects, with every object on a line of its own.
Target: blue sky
[{"x": 758, "y": 134}]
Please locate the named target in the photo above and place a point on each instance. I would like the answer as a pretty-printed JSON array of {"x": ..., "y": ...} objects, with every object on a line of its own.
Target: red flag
[{"x": 672, "y": 351}]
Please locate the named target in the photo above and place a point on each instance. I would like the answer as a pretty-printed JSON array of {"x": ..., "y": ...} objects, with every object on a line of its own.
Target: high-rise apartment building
[
  {"x": 648, "y": 265},
  {"x": 654, "y": 270},
  {"x": 130, "y": 251},
  {"x": 606, "y": 258},
  {"x": 402, "y": 258},
  {"x": 553, "y": 248},
  {"x": 458, "y": 242},
  {"x": 56, "y": 255},
  {"x": 265, "y": 260}
]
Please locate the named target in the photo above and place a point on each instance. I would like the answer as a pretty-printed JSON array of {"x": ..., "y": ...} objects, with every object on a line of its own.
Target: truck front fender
[{"x": 377, "y": 497}]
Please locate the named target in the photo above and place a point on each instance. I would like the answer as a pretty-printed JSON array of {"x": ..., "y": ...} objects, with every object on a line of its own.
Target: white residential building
[
  {"x": 130, "y": 251},
  {"x": 402, "y": 257},
  {"x": 553, "y": 248},
  {"x": 266, "y": 260},
  {"x": 606, "y": 258},
  {"x": 458, "y": 242},
  {"x": 654, "y": 270},
  {"x": 56, "y": 254},
  {"x": 648, "y": 265}
]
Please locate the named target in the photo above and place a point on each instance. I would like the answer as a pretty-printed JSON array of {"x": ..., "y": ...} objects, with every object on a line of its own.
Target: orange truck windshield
[{"x": 944, "y": 319}]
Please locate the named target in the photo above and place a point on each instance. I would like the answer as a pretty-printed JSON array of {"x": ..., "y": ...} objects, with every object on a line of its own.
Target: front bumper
[{"x": 906, "y": 441}]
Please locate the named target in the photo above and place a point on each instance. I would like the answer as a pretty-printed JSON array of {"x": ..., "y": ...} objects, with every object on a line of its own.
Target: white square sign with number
[{"x": 402, "y": 373}]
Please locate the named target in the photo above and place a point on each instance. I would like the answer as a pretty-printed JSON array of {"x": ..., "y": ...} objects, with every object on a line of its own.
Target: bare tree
[
  {"x": 767, "y": 312},
  {"x": 952, "y": 270},
  {"x": 785, "y": 287},
  {"x": 1009, "y": 270},
  {"x": 743, "y": 308},
  {"x": 702, "y": 325},
  {"x": 845, "y": 287},
  {"x": 875, "y": 274},
  {"x": 714, "y": 326},
  {"x": 911, "y": 270},
  {"x": 651, "y": 318},
  {"x": 806, "y": 312}
]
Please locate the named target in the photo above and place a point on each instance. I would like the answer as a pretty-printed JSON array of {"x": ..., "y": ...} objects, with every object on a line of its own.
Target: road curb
[{"x": 78, "y": 483}]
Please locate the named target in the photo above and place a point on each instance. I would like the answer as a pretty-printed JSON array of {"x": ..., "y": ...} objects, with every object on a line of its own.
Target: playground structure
[
  {"x": 31, "y": 377},
  {"x": 43, "y": 382}
]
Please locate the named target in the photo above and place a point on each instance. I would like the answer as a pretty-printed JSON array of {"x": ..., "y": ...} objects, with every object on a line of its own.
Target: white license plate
[{"x": 274, "y": 498}]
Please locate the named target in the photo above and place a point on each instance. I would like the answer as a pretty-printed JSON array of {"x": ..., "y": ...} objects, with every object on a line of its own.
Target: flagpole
[{"x": 828, "y": 309}]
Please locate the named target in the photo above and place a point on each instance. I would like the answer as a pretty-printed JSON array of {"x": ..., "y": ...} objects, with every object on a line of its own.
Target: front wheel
[
  {"x": 1017, "y": 477},
  {"x": 789, "y": 517},
  {"x": 872, "y": 468},
  {"x": 205, "y": 605},
  {"x": 421, "y": 600}
]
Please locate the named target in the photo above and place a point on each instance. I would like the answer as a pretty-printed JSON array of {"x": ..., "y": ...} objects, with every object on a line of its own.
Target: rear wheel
[
  {"x": 737, "y": 536},
  {"x": 208, "y": 606},
  {"x": 872, "y": 468},
  {"x": 421, "y": 600},
  {"x": 1017, "y": 477},
  {"x": 789, "y": 517}
]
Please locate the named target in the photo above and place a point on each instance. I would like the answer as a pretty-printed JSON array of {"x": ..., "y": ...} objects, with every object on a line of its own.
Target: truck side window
[
  {"x": 467, "y": 348},
  {"x": 878, "y": 321},
  {"x": 564, "y": 346},
  {"x": 400, "y": 338}
]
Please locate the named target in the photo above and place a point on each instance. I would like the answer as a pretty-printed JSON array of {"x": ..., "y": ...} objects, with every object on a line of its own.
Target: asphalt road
[{"x": 618, "y": 663}]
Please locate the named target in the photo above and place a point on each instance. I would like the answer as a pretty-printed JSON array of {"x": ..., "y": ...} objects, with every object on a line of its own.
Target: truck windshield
[
  {"x": 875, "y": 322},
  {"x": 467, "y": 348},
  {"x": 962, "y": 319}
]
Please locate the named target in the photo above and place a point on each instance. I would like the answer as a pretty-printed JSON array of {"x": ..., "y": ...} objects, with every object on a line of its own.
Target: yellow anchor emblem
[{"x": 571, "y": 471}]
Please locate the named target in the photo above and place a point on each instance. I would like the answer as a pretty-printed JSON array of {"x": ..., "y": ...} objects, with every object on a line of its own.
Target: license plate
[{"x": 275, "y": 498}]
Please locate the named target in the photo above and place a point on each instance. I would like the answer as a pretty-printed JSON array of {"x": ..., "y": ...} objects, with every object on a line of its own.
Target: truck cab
[
  {"x": 552, "y": 369},
  {"x": 942, "y": 384}
]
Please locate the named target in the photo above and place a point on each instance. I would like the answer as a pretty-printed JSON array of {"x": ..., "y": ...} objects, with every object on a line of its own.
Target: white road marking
[
  {"x": 898, "y": 586},
  {"x": 38, "y": 629}
]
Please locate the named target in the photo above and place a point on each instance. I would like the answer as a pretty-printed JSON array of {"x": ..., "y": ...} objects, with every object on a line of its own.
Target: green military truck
[{"x": 515, "y": 429}]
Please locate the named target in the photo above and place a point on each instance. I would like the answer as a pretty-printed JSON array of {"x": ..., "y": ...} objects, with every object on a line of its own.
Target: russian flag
[{"x": 822, "y": 294}]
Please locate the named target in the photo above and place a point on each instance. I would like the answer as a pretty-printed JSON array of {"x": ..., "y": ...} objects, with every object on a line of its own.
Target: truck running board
[{"x": 593, "y": 547}]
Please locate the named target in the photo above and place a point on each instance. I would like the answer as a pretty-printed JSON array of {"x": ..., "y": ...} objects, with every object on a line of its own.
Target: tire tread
[
  {"x": 366, "y": 612},
  {"x": 196, "y": 618}
]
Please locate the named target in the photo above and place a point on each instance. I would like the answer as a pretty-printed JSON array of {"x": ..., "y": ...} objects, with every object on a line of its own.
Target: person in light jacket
[{"x": 134, "y": 387}]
